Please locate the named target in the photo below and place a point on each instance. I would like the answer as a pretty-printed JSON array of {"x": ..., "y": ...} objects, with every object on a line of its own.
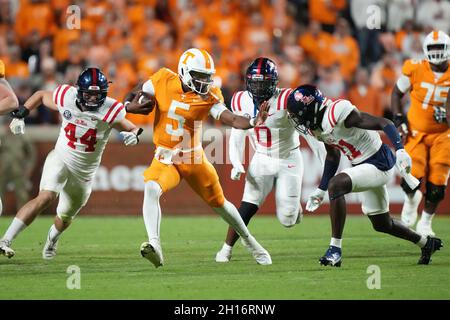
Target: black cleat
[{"x": 430, "y": 247}]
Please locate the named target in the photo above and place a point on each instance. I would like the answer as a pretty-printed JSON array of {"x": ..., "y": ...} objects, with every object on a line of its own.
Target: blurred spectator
[
  {"x": 344, "y": 50},
  {"x": 367, "y": 34},
  {"x": 331, "y": 83},
  {"x": 17, "y": 160},
  {"x": 316, "y": 44},
  {"x": 384, "y": 76},
  {"x": 434, "y": 13},
  {"x": 326, "y": 12},
  {"x": 363, "y": 95},
  {"x": 399, "y": 11},
  {"x": 16, "y": 67}
]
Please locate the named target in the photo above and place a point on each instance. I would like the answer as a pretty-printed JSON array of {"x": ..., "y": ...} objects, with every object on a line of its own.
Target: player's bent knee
[
  {"x": 153, "y": 189},
  {"x": 46, "y": 197},
  {"x": 288, "y": 216},
  {"x": 65, "y": 219},
  {"x": 381, "y": 223},
  {"x": 339, "y": 185},
  {"x": 434, "y": 193},
  {"x": 216, "y": 201},
  {"x": 406, "y": 188}
]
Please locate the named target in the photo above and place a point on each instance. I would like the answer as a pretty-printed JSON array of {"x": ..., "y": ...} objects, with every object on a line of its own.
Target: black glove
[
  {"x": 440, "y": 114},
  {"x": 20, "y": 113}
]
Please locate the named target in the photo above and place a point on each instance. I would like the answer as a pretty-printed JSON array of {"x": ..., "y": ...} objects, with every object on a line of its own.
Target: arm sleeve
[
  {"x": 237, "y": 146},
  {"x": 403, "y": 83},
  {"x": 148, "y": 87},
  {"x": 119, "y": 114}
]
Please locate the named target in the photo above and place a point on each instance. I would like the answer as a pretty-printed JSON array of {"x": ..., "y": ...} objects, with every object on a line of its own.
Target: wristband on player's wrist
[
  {"x": 252, "y": 122},
  {"x": 125, "y": 104},
  {"x": 21, "y": 112}
]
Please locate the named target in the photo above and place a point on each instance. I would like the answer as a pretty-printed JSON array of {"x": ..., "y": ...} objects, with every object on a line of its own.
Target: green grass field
[{"x": 107, "y": 253}]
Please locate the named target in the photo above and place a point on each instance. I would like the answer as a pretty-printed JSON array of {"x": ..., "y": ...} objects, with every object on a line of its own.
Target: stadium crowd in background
[{"x": 325, "y": 42}]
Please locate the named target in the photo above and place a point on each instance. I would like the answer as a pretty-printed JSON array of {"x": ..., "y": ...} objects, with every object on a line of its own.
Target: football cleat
[
  {"x": 409, "y": 210},
  {"x": 152, "y": 253},
  {"x": 333, "y": 257},
  {"x": 260, "y": 254},
  {"x": 5, "y": 249},
  {"x": 424, "y": 228},
  {"x": 49, "y": 251},
  {"x": 432, "y": 245},
  {"x": 223, "y": 255}
]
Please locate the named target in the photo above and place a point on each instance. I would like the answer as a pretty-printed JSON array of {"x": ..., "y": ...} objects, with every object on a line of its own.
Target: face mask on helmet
[
  {"x": 91, "y": 99},
  {"x": 200, "y": 82},
  {"x": 260, "y": 87},
  {"x": 437, "y": 53}
]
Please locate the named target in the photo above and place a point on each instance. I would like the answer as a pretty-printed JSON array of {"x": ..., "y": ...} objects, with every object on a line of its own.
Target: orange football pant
[
  {"x": 200, "y": 175},
  {"x": 430, "y": 155}
]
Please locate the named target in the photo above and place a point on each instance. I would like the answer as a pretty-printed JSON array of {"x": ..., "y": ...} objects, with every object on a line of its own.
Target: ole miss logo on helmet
[{"x": 298, "y": 96}]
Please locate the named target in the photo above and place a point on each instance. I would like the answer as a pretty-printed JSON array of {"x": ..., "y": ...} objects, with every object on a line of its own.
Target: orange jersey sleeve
[
  {"x": 179, "y": 114},
  {"x": 428, "y": 90},
  {"x": 2, "y": 69}
]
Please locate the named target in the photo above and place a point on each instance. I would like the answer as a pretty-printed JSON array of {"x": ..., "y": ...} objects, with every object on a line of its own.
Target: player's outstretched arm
[
  {"x": 236, "y": 152},
  {"x": 17, "y": 125},
  {"x": 397, "y": 109},
  {"x": 8, "y": 99},
  {"x": 240, "y": 122},
  {"x": 129, "y": 132},
  {"x": 330, "y": 167}
]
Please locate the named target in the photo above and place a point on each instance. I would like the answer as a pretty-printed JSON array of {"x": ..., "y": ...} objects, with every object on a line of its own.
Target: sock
[
  {"x": 231, "y": 215},
  {"x": 53, "y": 234},
  {"x": 152, "y": 210},
  {"x": 426, "y": 217},
  {"x": 226, "y": 247},
  {"x": 14, "y": 229},
  {"x": 336, "y": 242},
  {"x": 421, "y": 243}
]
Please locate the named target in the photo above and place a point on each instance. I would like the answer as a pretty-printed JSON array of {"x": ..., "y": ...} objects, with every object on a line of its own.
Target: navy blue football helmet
[
  {"x": 92, "y": 89},
  {"x": 261, "y": 79},
  {"x": 305, "y": 107}
]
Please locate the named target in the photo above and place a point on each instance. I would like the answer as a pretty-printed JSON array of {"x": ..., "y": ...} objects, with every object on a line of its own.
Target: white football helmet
[
  {"x": 196, "y": 70},
  {"x": 436, "y": 47}
]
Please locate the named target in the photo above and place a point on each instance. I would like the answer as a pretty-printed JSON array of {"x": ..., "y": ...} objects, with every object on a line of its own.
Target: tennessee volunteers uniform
[
  {"x": 177, "y": 136},
  {"x": 429, "y": 141}
]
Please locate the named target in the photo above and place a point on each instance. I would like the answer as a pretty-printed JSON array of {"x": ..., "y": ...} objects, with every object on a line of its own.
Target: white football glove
[
  {"x": 130, "y": 138},
  {"x": 315, "y": 199},
  {"x": 17, "y": 126},
  {"x": 403, "y": 162},
  {"x": 236, "y": 172}
]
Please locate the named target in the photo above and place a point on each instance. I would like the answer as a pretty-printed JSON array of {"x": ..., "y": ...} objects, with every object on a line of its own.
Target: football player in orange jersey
[
  {"x": 425, "y": 127},
  {"x": 8, "y": 101},
  {"x": 183, "y": 101}
]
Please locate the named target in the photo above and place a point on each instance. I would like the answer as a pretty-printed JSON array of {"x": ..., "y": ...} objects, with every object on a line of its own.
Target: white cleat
[
  {"x": 49, "y": 251},
  {"x": 223, "y": 255},
  {"x": 5, "y": 249},
  {"x": 409, "y": 210},
  {"x": 424, "y": 228},
  {"x": 260, "y": 254},
  {"x": 152, "y": 253}
]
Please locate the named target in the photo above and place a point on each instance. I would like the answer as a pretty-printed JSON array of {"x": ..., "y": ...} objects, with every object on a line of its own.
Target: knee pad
[
  {"x": 153, "y": 189},
  {"x": 288, "y": 215},
  {"x": 434, "y": 193},
  {"x": 407, "y": 189}
]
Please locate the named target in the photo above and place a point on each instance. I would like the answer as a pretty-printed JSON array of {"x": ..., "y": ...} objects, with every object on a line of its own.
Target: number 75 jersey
[{"x": 84, "y": 134}]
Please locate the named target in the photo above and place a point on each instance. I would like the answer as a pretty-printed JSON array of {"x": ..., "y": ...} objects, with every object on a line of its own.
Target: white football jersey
[
  {"x": 277, "y": 137},
  {"x": 83, "y": 135},
  {"x": 357, "y": 144}
]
